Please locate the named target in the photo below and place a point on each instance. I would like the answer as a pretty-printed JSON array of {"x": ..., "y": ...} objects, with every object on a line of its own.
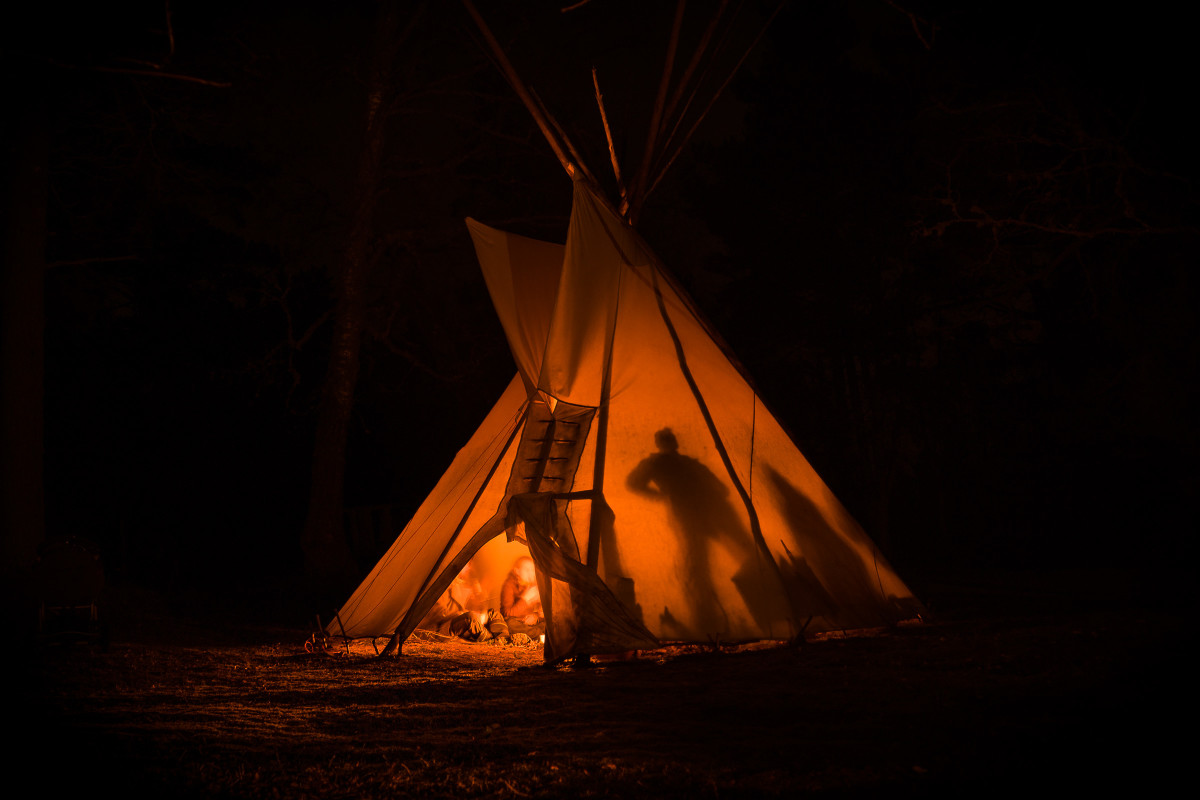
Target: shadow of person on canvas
[{"x": 703, "y": 517}]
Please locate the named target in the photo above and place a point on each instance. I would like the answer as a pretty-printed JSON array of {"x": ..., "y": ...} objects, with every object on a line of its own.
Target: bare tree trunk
[
  {"x": 22, "y": 350},
  {"x": 22, "y": 317},
  {"x": 327, "y": 557}
]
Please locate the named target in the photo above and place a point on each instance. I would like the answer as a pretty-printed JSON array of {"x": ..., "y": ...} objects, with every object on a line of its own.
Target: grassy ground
[{"x": 999, "y": 693}]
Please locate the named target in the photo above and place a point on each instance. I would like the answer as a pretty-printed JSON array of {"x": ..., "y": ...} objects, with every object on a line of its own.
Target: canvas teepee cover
[{"x": 660, "y": 500}]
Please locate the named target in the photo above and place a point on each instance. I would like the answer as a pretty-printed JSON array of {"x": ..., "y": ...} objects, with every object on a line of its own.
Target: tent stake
[{"x": 345, "y": 639}]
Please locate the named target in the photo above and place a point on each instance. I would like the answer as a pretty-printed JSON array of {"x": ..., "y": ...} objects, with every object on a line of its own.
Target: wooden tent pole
[
  {"x": 566, "y": 140},
  {"x": 519, "y": 87},
  {"x": 675, "y": 115},
  {"x": 637, "y": 190},
  {"x": 712, "y": 100},
  {"x": 612, "y": 149},
  {"x": 692, "y": 66}
]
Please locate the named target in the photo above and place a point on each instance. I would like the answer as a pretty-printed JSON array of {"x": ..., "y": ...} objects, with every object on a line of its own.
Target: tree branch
[
  {"x": 145, "y": 73},
  {"x": 917, "y": 22}
]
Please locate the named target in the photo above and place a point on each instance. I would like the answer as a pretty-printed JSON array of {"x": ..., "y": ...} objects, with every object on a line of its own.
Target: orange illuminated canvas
[{"x": 659, "y": 498}]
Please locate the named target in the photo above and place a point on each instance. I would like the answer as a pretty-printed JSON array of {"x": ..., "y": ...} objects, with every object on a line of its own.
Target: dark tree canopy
[{"x": 955, "y": 247}]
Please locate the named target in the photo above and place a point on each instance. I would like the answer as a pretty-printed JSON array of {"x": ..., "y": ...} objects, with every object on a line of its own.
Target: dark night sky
[{"x": 963, "y": 275}]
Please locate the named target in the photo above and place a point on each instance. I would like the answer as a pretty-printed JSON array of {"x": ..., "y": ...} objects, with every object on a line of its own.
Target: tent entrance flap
[
  {"x": 582, "y": 613},
  {"x": 548, "y": 452}
]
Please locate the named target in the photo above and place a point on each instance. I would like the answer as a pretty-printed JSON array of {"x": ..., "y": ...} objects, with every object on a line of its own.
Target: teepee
[{"x": 660, "y": 500}]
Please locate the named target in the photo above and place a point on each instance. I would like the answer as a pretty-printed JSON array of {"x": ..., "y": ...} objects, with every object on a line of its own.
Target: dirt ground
[{"x": 1011, "y": 690}]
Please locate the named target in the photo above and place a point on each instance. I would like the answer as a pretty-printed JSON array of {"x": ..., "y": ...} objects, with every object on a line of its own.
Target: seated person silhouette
[
  {"x": 520, "y": 601},
  {"x": 458, "y": 612}
]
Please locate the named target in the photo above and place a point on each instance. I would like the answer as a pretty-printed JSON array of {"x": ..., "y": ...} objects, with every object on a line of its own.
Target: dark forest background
[{"x": 955, "y": 248}]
